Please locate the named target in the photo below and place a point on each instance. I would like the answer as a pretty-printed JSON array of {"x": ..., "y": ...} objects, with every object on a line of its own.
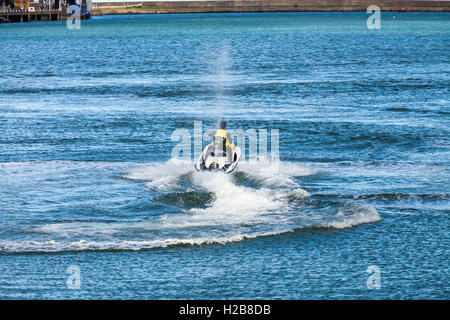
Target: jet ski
[{"x": 216, "y": 158}]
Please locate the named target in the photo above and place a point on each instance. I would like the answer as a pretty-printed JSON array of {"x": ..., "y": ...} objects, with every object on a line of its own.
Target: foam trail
[
  {"x": 173, "y": 167},
  {"x": 281, "y": 175},
  {"x": 353, "y": 216},
  {"x": 275, "y": 202},
  {"x": 345, "y": 218},
  {"x": 162, "y": 176},
  {"x": 234, "y": 203},
  {"x": 126, "y": 245}
]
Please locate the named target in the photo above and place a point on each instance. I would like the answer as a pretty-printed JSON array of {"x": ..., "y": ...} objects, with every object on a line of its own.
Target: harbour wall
[{"x": 265, "y": 6}]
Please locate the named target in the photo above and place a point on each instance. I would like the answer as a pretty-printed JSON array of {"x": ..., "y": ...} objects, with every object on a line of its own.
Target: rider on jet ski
[
  {"x": 221, "y": 154},
  {"x": 223, "y": 141}
]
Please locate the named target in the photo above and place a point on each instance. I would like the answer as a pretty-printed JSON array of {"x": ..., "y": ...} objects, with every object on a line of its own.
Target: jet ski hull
[{"x": 210, "y": 162}]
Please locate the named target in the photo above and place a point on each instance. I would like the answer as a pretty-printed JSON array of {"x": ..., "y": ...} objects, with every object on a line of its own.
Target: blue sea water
[{"x": 87, "y": 176}]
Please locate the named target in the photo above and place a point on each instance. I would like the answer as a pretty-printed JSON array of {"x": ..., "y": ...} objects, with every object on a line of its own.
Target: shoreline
[
  {"x": 149, "y": 7},
  {"x": 227, "y": 6}
]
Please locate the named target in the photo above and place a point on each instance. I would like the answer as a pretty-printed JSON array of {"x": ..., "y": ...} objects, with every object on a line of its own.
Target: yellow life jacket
[{"x": 223, "y": 134}]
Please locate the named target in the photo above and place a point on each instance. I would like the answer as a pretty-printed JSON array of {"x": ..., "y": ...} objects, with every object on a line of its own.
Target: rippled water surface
[{"x": 88, "y": 178}]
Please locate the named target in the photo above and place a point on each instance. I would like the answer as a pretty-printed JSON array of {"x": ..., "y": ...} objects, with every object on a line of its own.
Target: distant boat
[{"x": 85, "y": 7}]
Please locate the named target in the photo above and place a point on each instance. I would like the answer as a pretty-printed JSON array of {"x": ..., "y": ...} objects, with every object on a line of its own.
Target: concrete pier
[
  {"x": 152, "y": 7},
  {"x": 12, "y": 15},
  {"x": 265, "y": 6}
]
